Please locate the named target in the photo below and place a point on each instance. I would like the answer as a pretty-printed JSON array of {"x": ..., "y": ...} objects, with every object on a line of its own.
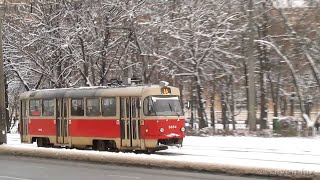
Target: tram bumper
[
  {"x": 158, "y": 148},
  {"x": 173, "y": 135},
  {"x": 172, "y": 140}
]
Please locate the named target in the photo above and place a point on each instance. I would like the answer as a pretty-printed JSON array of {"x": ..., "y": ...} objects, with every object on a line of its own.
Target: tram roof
[{"x": 89, "y": 92}]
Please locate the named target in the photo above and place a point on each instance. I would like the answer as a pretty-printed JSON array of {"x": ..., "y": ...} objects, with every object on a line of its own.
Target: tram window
[
  {"x": 47, "y": 107},
  {"x": 148, "y": 107},
  {"x": 77, "y": 107},
  {"x": 24, "y": 110},
  {"x": 162, "y": 106},
  {"x": 138, "y": 104},
  {"x": 128, "y": 107},
  {"x": 109, "y": 106},
  {"x": 134, "y": 110},
  {"x": 58, "y": 108},
  {"x": 122, "y": 107},
  {"x": 34, "y": 107},
  {"x": 93, "y": 107}
]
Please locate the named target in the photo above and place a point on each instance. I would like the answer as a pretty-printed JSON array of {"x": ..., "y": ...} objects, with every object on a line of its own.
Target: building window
[
  {"x": 93, "y": 107},
  {"x": 34, "y": 107},
  {"x": 77, "y": 107},
  {"x": 47, "y": 107},
  {"x": 109, "y": 106}
]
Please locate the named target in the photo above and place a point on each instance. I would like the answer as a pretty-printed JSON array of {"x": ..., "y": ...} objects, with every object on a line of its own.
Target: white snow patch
[{"x": 253, "y": 155}]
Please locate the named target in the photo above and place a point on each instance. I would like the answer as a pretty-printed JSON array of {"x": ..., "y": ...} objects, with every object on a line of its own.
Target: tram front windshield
[{"x": 162, "y": 106}]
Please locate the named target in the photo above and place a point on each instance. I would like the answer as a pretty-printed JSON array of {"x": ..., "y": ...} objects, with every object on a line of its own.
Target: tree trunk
[
  {"x": 192, "y": 107},
  {"x": 200, "y": 108},
  {"x": 292, "y": 102},
  {"x": 212, "y": 108},
  {"x": 181, "y": 97},
  {"x": 145, "y": 66},
  {"x": 284, "y": 105},
  {"x": 7, "y": 104},
  {"x": 85, "y": 72},
  {"x": 103, "y": 79},
  {"x": 58, "y": 84},
  {"x": 263, "y": 98},
  {"x": 274, "y": 94},
  {"x": 264, "y": 68},
  {"x": 232, "y": 103},
  {"x": 93, "y": 72},
  {"x": 224, "y": 111},
  {"x": 246, "y": 78}
]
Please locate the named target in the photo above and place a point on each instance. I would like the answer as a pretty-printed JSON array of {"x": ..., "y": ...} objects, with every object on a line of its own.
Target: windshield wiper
[{"x": 172, "y": 110}]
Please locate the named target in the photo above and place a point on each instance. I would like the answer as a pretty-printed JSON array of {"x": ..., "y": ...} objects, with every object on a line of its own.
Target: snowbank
[{"x": 147, "y": 161}]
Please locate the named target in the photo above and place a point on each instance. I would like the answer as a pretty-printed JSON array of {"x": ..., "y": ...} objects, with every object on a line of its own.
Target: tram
[{"x": 133, "y": 117}]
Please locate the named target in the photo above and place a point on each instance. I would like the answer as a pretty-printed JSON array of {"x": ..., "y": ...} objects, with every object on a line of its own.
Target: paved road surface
[{"x": 24, "y": 168}]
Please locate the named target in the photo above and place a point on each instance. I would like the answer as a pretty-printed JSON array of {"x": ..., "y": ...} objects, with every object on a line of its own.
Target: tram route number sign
[{"x": 165, "y": 90}]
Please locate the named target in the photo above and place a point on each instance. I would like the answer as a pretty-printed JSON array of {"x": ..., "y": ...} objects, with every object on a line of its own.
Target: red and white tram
[{"x": 147, "y": 118}]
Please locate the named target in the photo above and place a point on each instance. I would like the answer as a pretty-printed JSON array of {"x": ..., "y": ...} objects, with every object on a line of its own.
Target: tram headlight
[
  {"x": 161, "y": 130},
  {"x": 183, "y": 129}
]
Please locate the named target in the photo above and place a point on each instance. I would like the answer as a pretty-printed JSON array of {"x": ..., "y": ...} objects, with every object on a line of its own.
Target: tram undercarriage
[{"x": 106, "y": 145}]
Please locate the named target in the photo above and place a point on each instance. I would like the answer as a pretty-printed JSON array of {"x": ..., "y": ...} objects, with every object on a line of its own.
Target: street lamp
[{"x": 3, "y": 127}]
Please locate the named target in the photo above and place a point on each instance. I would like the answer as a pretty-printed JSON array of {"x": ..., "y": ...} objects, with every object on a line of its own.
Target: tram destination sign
[{"x": 165, "y": 90}]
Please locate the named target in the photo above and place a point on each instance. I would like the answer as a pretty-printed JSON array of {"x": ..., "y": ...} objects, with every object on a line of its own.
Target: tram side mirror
[{"x": 188, "y": 105}]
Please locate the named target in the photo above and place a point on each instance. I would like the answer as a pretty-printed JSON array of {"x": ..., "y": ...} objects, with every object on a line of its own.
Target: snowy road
[
  {"x": 24, "y": 168},
  {"x": 294, "y": 154}
]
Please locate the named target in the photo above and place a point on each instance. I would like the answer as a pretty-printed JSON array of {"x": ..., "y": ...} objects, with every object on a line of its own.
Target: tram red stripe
[
  {"x": 107, "y": 128},
  {"x": 94, "y": 128},
  {"x": 42, "y": 127}
]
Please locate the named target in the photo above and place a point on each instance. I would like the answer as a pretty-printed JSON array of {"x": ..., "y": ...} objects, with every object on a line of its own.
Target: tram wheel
[
  {"x": 40, "y": 142},
  {"x": 46, "y": 142},
  {"x": 116, "y": 150},
  {"x": 150, "y": 151},
  {"x": 139, "y": 151},
  {"x": 101, "y": 145}
]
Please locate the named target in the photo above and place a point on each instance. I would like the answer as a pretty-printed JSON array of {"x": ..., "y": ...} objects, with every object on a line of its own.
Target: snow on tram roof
[
  {"x": 94, "y": 88},
  {"x": 72, "y": 88},
  {"x": 92, "y": 91}
]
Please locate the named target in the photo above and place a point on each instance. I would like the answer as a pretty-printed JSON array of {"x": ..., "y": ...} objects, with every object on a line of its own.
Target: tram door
[
  {"x": 23, "y": 125},
  {"x": 62, "y": 121},
  {"x": 130, "y": 122}
]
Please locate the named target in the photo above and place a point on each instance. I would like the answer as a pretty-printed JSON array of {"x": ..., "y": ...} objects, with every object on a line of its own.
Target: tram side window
[
  {"x": 109, "y": 106},
  {"x": 138, "y": 106},
  {"x": 34, "y": 108},
  {"x": 77, "y": 107},
  {"x": 93, "y": 107},
  {"x": 148, "y": 107},
  {"x": 47, "y": 107}
]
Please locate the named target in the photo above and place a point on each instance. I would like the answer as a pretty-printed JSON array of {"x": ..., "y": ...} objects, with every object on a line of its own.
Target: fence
[{"x": 241, "y": 118}]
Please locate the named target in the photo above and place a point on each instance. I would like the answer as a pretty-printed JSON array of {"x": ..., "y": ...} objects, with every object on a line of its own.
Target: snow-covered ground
[
  {"x": 298, "y": 154},
  {"x": 284, "y": 154}
]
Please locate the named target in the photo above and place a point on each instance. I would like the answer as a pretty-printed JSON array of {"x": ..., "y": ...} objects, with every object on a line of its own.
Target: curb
[{"x": 131, "y": 159}]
